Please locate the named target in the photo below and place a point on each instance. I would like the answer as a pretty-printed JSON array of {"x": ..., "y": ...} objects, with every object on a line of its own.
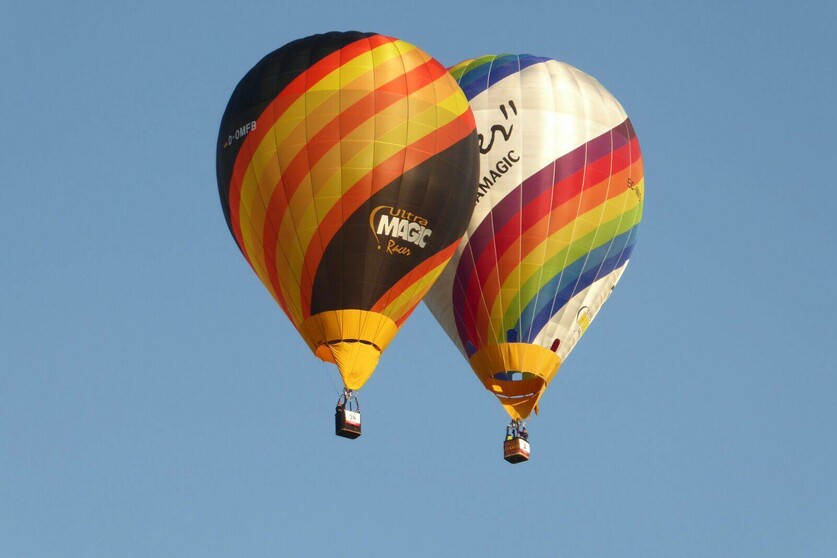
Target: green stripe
[
  {"x": 469, "y": 65},
  {"x": 577, "y": 249}
]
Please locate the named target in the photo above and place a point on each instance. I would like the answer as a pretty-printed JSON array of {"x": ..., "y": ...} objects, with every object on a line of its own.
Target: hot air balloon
[
  {"x": 560, "y": 198},
  {"x": 347, "y": 169}
]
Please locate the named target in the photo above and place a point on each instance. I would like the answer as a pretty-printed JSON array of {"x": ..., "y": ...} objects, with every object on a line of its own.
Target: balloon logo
[
  {"x": 560, "y": 199},
  {"x": 347, "y": 166}
]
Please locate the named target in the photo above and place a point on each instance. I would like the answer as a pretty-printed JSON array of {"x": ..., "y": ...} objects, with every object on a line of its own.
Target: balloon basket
[
  {"x": 347, "y": 424},
  {"x": 516, "y": 446},
  {"x": 516, "y": 450},
  {"x": 347, "y": 416}
]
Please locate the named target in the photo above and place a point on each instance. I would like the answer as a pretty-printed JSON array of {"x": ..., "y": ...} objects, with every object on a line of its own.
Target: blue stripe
[
  {"x": 474, "y": 81},
  {"x": 576, "y": 277}
]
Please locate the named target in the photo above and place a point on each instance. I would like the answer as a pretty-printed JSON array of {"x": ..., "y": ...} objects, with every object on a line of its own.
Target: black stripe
[{"x": 356, "y": 270}]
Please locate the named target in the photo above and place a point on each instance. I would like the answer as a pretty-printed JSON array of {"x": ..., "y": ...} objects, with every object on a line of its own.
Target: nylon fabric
[
  {"x": 347, "y": 168},
  {"x": 560, "y": 198}
]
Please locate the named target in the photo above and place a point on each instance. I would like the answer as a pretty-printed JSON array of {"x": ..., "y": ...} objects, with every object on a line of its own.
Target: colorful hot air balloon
[
  {"x": 347, "y": 168},
  {"x": 560, "y": 198}
]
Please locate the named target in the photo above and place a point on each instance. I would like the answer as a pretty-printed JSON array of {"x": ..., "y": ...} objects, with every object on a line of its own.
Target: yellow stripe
[
  {"x": 256, "y": 263},
  {"x": 640, "y": 185},
  {"x": 533, "y": 262},
  {"x": 252, "y": 220},
  {"x": 413, "y": 294}
]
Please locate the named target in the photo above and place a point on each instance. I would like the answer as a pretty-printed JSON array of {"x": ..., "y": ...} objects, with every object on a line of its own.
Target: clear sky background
[{"x": 154, "y": 401}]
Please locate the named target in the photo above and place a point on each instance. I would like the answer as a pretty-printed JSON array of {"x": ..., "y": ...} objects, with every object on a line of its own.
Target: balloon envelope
[
  {"x": 560, "y": 198},
  {"x": 346, "y": 167}
]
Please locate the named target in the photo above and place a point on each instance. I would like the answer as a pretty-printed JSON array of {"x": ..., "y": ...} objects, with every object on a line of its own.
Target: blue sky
[{"x": 155, "y": 402}]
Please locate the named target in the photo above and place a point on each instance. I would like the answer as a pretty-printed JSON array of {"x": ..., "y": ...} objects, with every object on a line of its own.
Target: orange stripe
[
  {"x": 421, "y": 270},
  {"x": 411, "y": 278},
  {"x": 378, "y": 178},
  {"x": 587, "y": 199},
  {"x": 278, "y": 106},
  {"x": 406, "y": 315},
  {"x": 592, "y": 197},
  {"x": 536, "y": 236}
]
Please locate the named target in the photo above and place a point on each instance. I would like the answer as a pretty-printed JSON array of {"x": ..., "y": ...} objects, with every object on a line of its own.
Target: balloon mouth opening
[
  {"x": 519, "y": 388},
  {"x": 516, "y": 373},
  {"x": 363, "y": 341},
  {"x": 519, "y": 397},
  {"x": 505, "y": 397},
  {"x": 514, "y": 376}
]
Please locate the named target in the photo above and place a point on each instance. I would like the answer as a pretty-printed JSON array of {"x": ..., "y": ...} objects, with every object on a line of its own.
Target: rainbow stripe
[{"x": 550, "y": 237}]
